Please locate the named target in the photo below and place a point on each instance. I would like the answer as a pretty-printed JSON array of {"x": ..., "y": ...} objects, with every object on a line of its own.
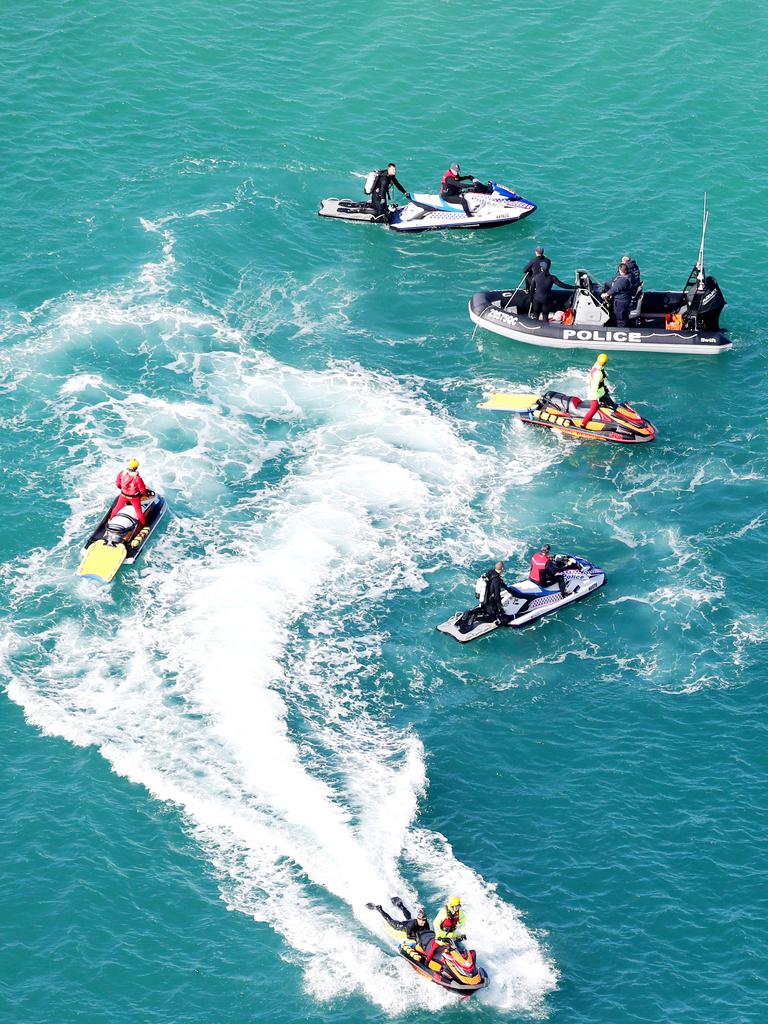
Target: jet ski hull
[
  {"x": 564, "y": 413},
  {"x": 492, "y": 209},
  {"x": 101, "y": 560},
  {"x": 440, "y": 973},
  {"x": 528, "y": 602},
  {"x": 502, "y": 313}
]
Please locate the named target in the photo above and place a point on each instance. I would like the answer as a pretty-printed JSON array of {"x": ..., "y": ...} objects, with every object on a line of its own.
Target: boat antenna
[{"x": 700, "y": 261}]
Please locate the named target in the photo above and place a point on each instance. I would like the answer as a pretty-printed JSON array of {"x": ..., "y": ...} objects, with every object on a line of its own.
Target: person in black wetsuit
[
  {"x": 494, "y": 584},
  {"x": 541, "y": 291},
  {"x": 381, "y": 189},
  {"x": 534, "y": 264},
  {"x": 621, "y": 293},
  {"x": 451, "y": 189},
  {"x": 417, "y": 929}
]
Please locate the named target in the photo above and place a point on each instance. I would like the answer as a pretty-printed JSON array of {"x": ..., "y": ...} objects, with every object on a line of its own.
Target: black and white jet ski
[
  {"x": 528, "y": 601},
  {"x": 491, "y": 205},
  {"x": 684, "y": 322},
  {"x": 119, "y": 539}
]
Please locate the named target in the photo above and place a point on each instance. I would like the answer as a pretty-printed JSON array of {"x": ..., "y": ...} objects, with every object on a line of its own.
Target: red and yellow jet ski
[
  {"x": 456, "y": 969},
  {"x": 565, "y": 413}
]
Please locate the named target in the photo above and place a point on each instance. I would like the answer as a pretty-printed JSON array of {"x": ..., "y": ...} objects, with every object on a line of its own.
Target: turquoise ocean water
[{"x": 212, "y": 765}]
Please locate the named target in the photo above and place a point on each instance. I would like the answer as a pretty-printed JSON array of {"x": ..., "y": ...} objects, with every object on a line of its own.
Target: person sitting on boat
[
  {"x": 494, "y": 584},
  {"x": 533, "y": 264},
  {"x": 451, "y": 189},
  {"x": 381, "y": 189},
  {"x": 417, "y": 930},
  {"x": 597, "y": 388},
  {"x": 621, "y": 293},
  {"x": 542, "y": 284},
  {"x": 132, "y": 489},
  {"x": 544, "y": 571},
  {"x": 634, "y": 272},
  {"x": 449, "y": 923}
]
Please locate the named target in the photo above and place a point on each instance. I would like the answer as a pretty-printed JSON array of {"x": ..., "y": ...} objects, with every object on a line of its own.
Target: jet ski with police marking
[
  {"x": 564, "y": 413},
  {"x": 491, "y": 205},
  {"x": 684, "y": 322},
  {"x": 120, "y": 539},
  {"x": 527, "y": 601}
]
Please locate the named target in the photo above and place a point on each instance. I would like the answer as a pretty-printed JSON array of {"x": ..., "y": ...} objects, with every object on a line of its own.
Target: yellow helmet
[
  {"x": 453, "y": 902},
  {"x": 133, "y": 464},
  {"x": 602, "y": 359}
]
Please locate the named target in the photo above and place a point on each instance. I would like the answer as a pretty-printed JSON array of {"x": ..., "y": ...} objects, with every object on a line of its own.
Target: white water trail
[{"x": 228, "y": 682}]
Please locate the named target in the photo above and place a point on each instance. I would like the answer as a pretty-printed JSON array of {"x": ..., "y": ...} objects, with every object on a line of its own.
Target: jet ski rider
[
  {"x": 451, "y": 189},
  {"x": 449, "y": 923},
  {"x": 544, "y": 570},
  {"x": 416, "y": 928},
  {"x": 381, "y": 189},
  {"x": 132, "y": 489},
  {"x": 597, "y": 388}
]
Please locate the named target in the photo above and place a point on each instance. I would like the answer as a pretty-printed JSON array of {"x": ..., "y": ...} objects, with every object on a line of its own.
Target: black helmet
[{"x": 455, "y": 168}]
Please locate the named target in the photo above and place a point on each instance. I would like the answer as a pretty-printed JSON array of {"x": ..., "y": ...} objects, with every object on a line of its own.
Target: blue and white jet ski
[
  {"x": 528, "y": 601},
  {"x": 491, "y": 205}
]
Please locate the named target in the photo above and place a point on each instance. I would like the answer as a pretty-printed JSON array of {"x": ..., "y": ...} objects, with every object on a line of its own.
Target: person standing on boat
[
  {"x": 533, "y": 264},
  {"x": 634, "y": 272},
  {"x": 597, "y": 388},
  {"x": 621, "y": 293},
  {"x": 381, "y": 189},
  {"x": 542, "y": 283},
  {"x": 451, "y": 189}
]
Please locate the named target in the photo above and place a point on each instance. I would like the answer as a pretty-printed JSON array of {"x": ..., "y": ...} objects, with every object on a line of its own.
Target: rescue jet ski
[
  {"x": 491, "y": 206},
  {"x": 120, "y": 539},
  {"x": 528, "y": 601},
  {"x": 456, "y": 969},
  {"x": 565, "y": 413},
  {"x": 684, "y": 322}
]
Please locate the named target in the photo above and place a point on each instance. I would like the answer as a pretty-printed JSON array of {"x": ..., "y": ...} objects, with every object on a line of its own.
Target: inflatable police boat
[
  {"x": 120, "y": 539},
  {"x": 491, "y": 206},
  {"x": 685, "y": 321},
  {"x": 527, "y": 601}
]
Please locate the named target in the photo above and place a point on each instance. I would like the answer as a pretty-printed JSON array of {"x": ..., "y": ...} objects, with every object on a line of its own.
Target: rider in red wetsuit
[
  {"x": 544, "y": 571},
  {"x": 451, "y": 189},
  {"x": 132, "y": 488}
]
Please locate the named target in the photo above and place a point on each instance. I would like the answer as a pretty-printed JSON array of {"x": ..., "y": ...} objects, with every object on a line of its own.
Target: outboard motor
[
  {"x": 587, "y": 307},
  {"x": 120, "y": 528},
  {"x": 705, "y": 307}
]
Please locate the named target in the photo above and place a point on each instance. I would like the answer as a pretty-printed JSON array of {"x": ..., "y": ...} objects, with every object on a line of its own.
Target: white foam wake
[{"x": 231, "y": 683}]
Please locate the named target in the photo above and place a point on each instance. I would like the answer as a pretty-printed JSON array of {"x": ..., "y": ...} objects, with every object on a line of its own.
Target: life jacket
[
  {"x": 539, "y": 563},
  {"x": 448, "y": 174},
  {"x": 129, "y": 483},
  {"x": 596, "y": 384},
  {"x": 447, "y": 924},
  {"x": 568, "y": 317},
  {"x": 674, "y": 322}
]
